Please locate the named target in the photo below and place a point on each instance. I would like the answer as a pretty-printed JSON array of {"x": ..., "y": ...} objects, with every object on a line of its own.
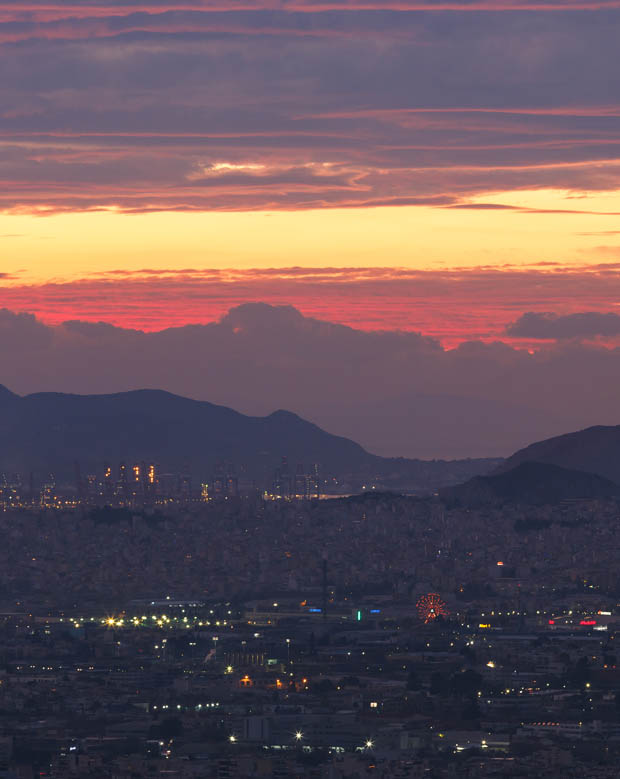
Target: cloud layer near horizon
[
  {"x": 396, "y": 393},
  {"x": 453, "y": 305},
  {"x": 147, "y": 106},
  {"x": 479, "y": 137},
  {"x": 587, "y": 324}
]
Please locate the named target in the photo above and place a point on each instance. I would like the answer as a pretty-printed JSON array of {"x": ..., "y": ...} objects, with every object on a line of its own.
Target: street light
[
  {"x": 369, "y": 744},
  {"x": 288, "y": 651},
  {"x": 299, "y": 735}
]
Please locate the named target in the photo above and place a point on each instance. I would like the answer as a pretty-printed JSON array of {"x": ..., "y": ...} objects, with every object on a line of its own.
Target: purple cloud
[
  {"x": 588, "y": 324},
  {"x": 338, "y": 126},
  {"x": 477, "y": 399}
]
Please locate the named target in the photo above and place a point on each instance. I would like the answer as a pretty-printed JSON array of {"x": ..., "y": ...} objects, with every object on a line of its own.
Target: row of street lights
[{"x": 299, "y": 736}]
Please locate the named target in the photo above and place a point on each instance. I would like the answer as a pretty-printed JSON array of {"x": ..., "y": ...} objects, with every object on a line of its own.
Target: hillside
[
  {"x": 593, "y": 450},
  {"x": 529, "y": 483},
  {"x": 50, "y": 432}
]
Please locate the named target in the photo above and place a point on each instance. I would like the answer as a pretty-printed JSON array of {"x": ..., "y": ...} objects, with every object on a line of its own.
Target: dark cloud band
[{"x": 587, "y": 324}]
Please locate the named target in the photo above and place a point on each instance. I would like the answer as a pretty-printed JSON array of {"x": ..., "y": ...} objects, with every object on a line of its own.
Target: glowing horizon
[{"x": 435, "y": 140}]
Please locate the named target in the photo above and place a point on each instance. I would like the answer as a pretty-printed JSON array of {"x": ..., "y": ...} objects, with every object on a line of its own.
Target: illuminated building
[
  {"x": 91, "y": 486},
  {"x": 232, "y": 482},
  {"x": 11, "y": 490},
  {"x": 108, "y": 482},
  {"x": 48, "y": 493},
  {"x": 301, "y": 485},
  {"x": 300, "y": 482},
  {"x": 313, "y": 488},
  {"x": 184, "y": 489},
  {"x": 218, "y": 481},
  {"x": 282, "y": 487},
  {"x": 121, "y": 487},
  {"x": 225, "y": 483}
]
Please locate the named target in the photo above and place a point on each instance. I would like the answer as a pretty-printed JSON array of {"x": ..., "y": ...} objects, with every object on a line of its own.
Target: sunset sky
[{"x": 443, "y": 167}]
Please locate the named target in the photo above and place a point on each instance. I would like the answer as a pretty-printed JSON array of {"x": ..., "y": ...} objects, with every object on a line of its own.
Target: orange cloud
[{"x": 454, "y": 305}]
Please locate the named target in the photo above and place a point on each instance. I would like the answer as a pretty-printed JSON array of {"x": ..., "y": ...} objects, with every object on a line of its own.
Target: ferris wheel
[{"x": 431, "y": 606}]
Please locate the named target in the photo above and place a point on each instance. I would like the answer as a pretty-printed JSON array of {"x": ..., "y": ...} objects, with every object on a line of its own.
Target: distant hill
[
  {"x": 593, "y": 450},
  {"x": 529, "y": 483},
  {"x": 50, "y": 432}
]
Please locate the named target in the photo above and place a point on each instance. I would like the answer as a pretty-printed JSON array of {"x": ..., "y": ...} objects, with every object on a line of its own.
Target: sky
[
  {"x": 449, "y": 169},
  {"x": 395, "y": 392}
]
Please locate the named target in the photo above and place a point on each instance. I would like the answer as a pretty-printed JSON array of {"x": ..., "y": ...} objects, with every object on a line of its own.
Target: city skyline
[{"x": 310, "y": 356}]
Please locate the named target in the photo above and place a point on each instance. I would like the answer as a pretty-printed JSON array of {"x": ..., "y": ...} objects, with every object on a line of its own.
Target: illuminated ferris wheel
[{"x": 430, "y": 607}]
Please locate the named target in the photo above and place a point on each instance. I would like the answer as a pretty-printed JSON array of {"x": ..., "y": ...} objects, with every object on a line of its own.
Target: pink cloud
[
  {"x": 55, "y": 10},
  {"x": 454, "y": 305}
]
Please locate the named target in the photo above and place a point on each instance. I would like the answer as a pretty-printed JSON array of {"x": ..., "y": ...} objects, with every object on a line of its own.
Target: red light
[
  {"x": 552, "y": 622},
  {"x": 430, "y": 607},
  {"x": 588, "y": 622}
]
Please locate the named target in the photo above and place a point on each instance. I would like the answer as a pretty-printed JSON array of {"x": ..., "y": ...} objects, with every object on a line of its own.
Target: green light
[{"x": 359, "y": 615}]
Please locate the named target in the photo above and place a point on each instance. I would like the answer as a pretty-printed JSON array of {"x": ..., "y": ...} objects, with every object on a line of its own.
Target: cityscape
[
  {"x": 141, "y": 485},
  {"x": 309, "y": 389},
  {"x": 244, "y": 635}
]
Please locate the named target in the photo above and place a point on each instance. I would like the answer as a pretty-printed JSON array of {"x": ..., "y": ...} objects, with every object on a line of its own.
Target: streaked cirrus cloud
[{"x": 155, "y": 106}]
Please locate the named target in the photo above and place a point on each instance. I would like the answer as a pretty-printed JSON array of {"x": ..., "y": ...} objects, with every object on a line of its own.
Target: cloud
[
  {"x": 395, "y": 392},
  {"x": 481, "y": 300},
  {"x": 587, "y": 324},
  {"x": 337, "y": 127},
  {"x": 24, "y": 331},
  {"x": 20, "y": 9}
]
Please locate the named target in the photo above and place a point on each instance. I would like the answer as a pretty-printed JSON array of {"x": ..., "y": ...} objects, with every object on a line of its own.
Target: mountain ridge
[
  {"x": 51, "y": 431},
  {"x": 594, "y": 449},
  {"x": 529, "y": 483}
]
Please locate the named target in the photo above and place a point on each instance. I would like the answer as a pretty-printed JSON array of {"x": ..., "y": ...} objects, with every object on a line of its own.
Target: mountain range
[
  {"x": 582, "y": 464},
  {"x": 530, "y": 483},
  {"x": 51, "y": 432},
  {"x": 594, "y": 450},
  {"x": 396, "y": 393}
]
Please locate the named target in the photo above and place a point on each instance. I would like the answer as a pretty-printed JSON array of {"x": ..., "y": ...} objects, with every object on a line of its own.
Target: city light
[{"x": 135, "y": 641}]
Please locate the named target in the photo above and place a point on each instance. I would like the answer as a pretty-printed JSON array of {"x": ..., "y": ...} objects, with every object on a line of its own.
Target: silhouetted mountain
[
  {"x": 50, "y": 432},
  {"x": 529, "y": 483},
  {"x": 593, "y": 450}
]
